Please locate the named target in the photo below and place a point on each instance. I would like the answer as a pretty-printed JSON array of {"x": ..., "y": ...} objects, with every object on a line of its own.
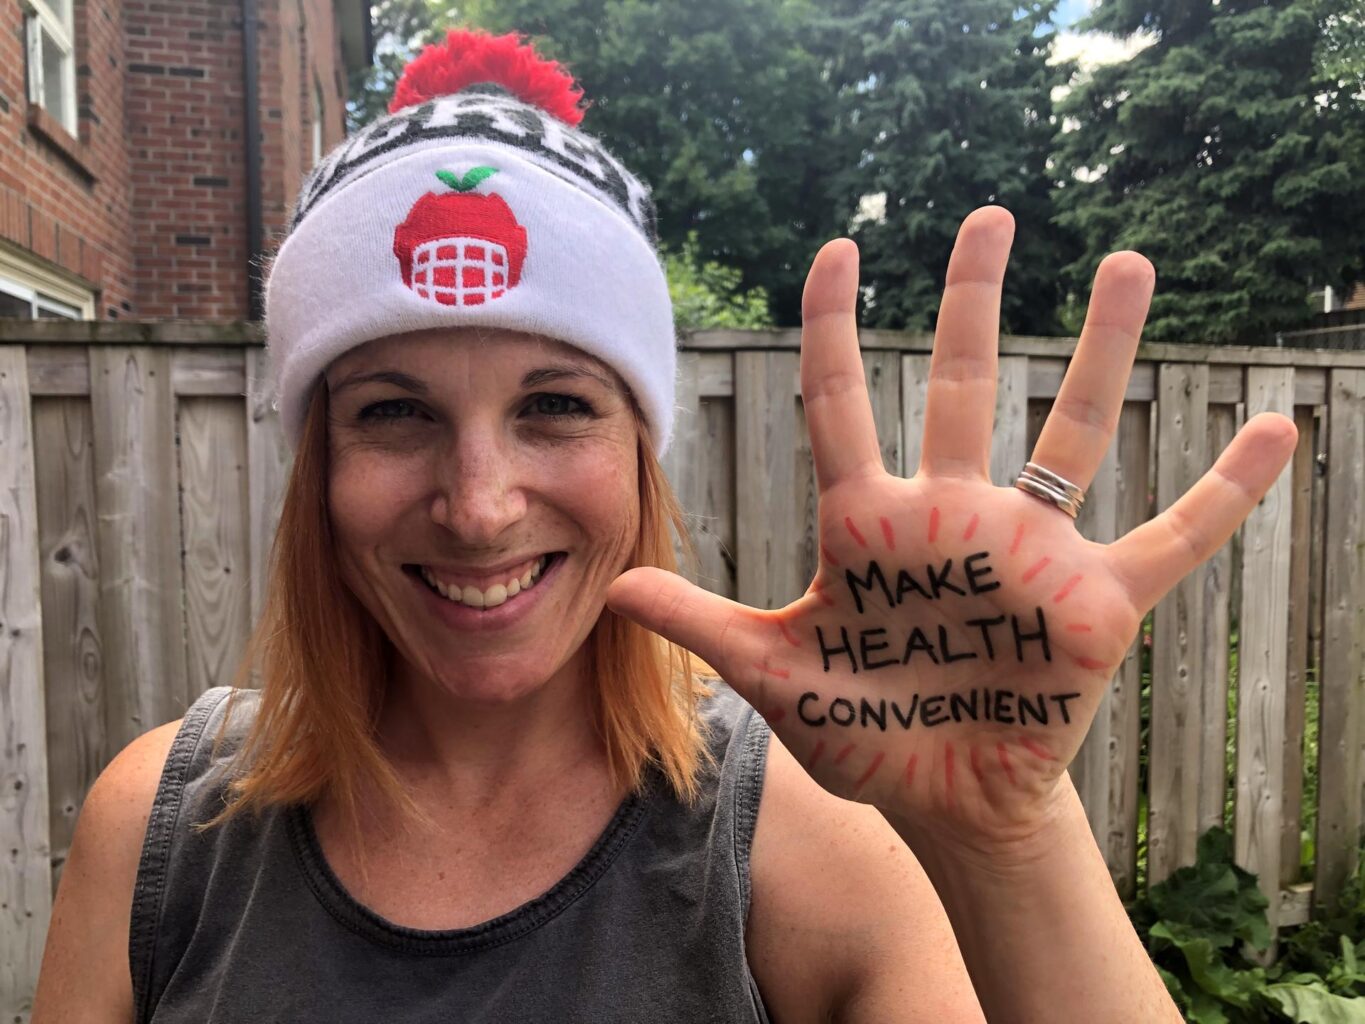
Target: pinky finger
[{"x": 1157, "y": 555}]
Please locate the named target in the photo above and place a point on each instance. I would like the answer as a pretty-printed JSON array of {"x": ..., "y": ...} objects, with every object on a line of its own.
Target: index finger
[{"x": 843, "y": 434}]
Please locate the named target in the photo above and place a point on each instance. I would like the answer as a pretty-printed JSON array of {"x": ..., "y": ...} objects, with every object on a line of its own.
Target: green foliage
[
  {"x": 1200, "y": 921},
  {"x": 708, "y": 295},
  {"x": 946, "y": 106},
  {"x": 1229, "y": 151},
  {"x": 400, "y": 27}
]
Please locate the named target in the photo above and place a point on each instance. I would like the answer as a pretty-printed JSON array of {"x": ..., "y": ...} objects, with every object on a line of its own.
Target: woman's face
[{"x": 481, "y": 460}]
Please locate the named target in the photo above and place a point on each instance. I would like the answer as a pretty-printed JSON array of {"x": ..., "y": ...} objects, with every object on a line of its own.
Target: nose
[{"x": 479, "y": 493}]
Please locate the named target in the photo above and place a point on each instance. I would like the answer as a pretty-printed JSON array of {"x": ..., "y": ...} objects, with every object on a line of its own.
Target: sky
[{"x": 1089, "y": 48}]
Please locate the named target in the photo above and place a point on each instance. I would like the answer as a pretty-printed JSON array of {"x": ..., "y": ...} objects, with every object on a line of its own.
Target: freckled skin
[{"x": 476, "y": 473}]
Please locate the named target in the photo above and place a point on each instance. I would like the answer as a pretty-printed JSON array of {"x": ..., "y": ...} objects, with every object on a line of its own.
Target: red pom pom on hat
[{"x": 469, "y": 56}]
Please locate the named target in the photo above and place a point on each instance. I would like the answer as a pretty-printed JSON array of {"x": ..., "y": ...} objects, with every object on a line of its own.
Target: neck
[{"x": 461, "y": 756}]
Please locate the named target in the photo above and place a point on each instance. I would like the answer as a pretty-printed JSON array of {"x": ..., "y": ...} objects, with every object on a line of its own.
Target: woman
[{"x": 477, "y": 786}]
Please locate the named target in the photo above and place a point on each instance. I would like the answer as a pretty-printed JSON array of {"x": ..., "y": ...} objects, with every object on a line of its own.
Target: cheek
[
  {"x": 362, "y": 498},
  {"x": 602, "y": 494}
]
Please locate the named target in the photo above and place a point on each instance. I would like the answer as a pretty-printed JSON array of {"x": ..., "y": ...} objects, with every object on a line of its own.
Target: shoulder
[
  {"x": 844, "y": 923},
  {"x": 85, "y": 973}
]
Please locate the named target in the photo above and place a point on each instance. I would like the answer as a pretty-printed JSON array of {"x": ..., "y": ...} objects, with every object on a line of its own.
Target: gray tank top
[{"x": 246, "y": 922}]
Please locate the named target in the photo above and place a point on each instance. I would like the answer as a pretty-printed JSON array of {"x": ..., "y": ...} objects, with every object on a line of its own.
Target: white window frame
[
  {"x": 45, "y": 290},
  {"x": 43, "y": 21}
]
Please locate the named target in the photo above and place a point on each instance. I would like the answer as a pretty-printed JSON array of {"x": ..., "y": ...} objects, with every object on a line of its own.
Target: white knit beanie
[{"x": 477, "y": 208}]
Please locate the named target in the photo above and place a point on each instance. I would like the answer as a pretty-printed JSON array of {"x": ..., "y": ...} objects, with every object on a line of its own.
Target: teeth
[{"x": 495, "y": 595}]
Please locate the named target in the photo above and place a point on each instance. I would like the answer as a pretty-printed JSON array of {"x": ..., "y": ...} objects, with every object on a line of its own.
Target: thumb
[{"x": 721, "y": 632}]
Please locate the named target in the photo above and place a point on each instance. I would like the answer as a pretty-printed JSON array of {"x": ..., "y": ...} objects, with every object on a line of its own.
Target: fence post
[
  {"x": 1343, "y": 644},
  {"x": 25, "y": 865},
  {"x": 1263, "y": 656}
]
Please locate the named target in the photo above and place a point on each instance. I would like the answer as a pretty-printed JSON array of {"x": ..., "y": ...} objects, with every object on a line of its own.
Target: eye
[
  {"x": 377, "y": 410},
  {"x": 559, "y": 406}
]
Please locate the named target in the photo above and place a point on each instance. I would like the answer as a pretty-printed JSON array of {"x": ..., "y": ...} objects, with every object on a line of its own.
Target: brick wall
[
  {"x": 148, "y": 205},
  {"x": 66, "y": 199}
]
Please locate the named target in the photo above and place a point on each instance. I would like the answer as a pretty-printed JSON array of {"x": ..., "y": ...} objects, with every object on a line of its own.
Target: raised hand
[{"x": 952, "y": 650}]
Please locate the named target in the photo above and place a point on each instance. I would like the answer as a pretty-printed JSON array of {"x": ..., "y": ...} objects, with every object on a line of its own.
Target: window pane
[
  {"x": 49, "y": 308},
  {"x": 12, "y": 305},
  {"x": 52, "y": 75}
]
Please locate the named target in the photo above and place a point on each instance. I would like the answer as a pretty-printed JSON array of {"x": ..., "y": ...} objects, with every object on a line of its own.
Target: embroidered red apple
[{"x": 460, "y": 248}]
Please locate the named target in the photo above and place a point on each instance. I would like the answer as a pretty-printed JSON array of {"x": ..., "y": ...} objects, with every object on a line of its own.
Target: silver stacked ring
[{"x": 1050, "y": 487}]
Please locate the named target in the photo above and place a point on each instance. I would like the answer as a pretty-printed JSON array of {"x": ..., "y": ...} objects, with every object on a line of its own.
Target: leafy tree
[
  {"x": 717, "y": 104},
  {"x": 1230, "y": 152},
  {"x": 947, "y": 104},
  {"x": 400, "y": 27},
  {"x": 707, "y": 295}
]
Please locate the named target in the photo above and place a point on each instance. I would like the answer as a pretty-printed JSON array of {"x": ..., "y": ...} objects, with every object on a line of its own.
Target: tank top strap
[{"x": 187, "y": 764}]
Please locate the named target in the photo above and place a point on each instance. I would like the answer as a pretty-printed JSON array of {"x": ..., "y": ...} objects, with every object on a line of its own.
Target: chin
[{"x": 494, "y": 680}]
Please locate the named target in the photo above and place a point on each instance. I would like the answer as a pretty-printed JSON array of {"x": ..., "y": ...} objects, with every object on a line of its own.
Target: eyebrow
[
  {"x": 401, "y": 380},
  {"x": 534, "y": 378}
]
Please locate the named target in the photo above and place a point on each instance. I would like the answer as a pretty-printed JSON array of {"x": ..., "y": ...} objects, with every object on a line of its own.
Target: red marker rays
[
  {"x": 971, "y": 527},
  {"x": 853, "y": 532},
  {"x": 1037, "y": 567},
  {"x": 871, "y": 771},
  {"x": 888, "y": 533},
  {"x": 1018, "y": 539},
  {"x": 1067, "y": 588}
]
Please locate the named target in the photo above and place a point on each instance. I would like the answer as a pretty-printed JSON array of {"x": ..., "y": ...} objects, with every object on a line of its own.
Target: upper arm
[
  {"x": 844, "y": 923},
  {"x": 85, "y": 977}
]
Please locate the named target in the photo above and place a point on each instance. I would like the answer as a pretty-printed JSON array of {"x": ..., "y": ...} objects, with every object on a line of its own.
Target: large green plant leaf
[
  {"x": 1207, "y": 969},
  {"x": 1313, "y": 1005},
  {"x": 1214, "y": 897}
]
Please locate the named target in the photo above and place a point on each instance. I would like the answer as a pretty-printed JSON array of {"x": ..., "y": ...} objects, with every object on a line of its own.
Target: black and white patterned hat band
[{"x": 486, "y": 112}]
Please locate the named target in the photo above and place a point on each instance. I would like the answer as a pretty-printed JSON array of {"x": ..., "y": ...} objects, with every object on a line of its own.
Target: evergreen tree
[
  {"x": 948, "y": 103},
  {"x": 1231, "y": 152}
]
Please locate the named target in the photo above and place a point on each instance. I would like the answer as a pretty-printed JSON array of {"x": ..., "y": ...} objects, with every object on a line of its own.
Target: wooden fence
[{"x": 141, "y": 471}]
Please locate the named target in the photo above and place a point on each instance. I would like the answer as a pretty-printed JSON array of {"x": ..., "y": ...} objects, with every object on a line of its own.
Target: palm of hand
[{"x": 951, "y": 653}]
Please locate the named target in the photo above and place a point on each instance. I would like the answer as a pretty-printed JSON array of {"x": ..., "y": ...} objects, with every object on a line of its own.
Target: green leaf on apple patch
[
  {"x": 474, "y": 176},
  {"x": 449, "y": 179}
]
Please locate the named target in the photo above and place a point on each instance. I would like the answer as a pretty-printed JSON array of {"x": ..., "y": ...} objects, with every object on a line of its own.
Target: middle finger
[{"x": 959, "y": 409}]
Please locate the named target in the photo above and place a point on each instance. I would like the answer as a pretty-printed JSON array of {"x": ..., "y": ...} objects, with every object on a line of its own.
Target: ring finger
[{"x": 1086, "y": 412}]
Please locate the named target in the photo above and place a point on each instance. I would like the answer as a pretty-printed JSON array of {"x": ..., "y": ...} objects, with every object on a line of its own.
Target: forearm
[{"x": 1042, "y": 929}]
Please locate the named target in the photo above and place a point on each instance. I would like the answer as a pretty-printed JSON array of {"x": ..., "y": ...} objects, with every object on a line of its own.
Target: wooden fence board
[
  {"x": 1263, "y": 656},
  {"x": 25, "y": 866},
  {"x": 214, "y": 506},
  {"x": 268, "y": 464},
  {"x": 716, "y": 543},
  {"x": 1177, "y": 700},
  {"x": 205, "y": 370},
  {"x": 1343, "y": 645},
  {"x": 1098, "y": 521},
  {"x": 73, "y": 660},
  {"x": 141, "y": 578},
  {"x": 681, "y": 463},
  {"x": 1125, "y": 697},
  {"x": 767, "y": 511},
  {"x": 1296, "y": 654},
  {"x": 1009, "y": 443},
  {"x": 914, "y": 393},
  {"x": 882, "y": 371},
  {"x": 1217, "y": 581}
]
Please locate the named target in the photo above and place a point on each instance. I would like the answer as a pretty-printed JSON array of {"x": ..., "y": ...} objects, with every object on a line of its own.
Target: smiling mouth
[{"x": 490, "y": 597}]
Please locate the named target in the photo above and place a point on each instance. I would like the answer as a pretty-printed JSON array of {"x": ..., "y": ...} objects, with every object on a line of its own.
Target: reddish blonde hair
[{"x": 324, "y": 662}]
